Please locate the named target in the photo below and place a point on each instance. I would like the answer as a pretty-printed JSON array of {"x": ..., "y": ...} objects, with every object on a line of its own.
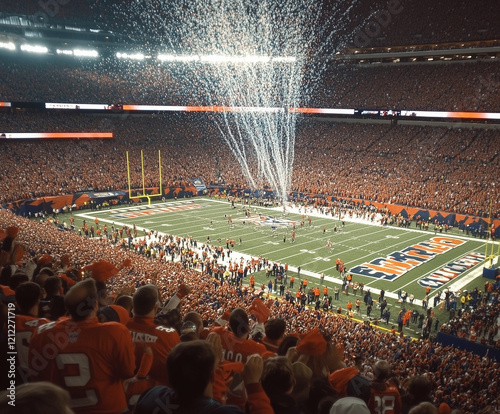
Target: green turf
[{"x": 356, "y": 243}]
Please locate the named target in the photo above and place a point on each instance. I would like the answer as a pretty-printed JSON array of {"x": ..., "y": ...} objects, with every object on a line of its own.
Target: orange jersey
[
  {"x": 271, "y": 345},
  {"x": 385, "y": 398},
  {"x": 25, "y": 326},
  {"x": 239, "y": 349},
  {"x": 161, "y": 339},
  {"x": 88, "y": 358}
]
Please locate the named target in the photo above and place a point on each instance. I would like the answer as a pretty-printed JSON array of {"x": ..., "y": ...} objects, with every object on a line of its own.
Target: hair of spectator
[
  {"x": 275, "y": 328},
  {"x": 126, "y": 302},
  {"x": 382, "y": 370},
  {"x": 52, "y": 285},
  {"x": 419, "y": 388},
  {"x": 196, "y": 318},
  {"x": 190, "y": 367},
  {"x": 238, "y": 322},
  {"x": 286, "y": 343},
  {"x": 424, "y": 408},
  {"x": 277, "y": 376},
  {"x": 27, "y": 296},
  {"x": 81, "y": 299},
  {"x": 37, "y": 398},
  {"x": 16, "y": 279},
  {"x": 145, "y": 299}
]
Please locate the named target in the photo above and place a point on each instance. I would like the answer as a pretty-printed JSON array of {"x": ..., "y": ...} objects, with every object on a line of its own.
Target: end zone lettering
[
  {"x": 134, "y": 214},
  {"x": 451, "y": 270},
  {"x": 398, "y": 263}
]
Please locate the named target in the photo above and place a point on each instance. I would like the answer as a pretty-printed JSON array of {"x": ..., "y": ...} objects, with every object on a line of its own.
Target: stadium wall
[
  {"x": 466, "y": 345},
  {"x": 461, "y": 221},
  {"x": 93, "y": 200}
]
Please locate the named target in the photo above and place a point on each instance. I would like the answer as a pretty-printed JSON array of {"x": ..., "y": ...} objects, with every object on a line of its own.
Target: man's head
[
  {"x": 275, "y": 329},
  {"x": 190, "y": 367},
  {"x": 145, "y": 299},
  {"x": 192, "y": 326},
  {"x": 52, "y": 286},
  {"x": 278, "y": 377},
  {"x": 196, "y": 319},
  {"x": 37, "y": 398},
  {"x": 238, "y": 322},
  {"x": 81, "y": 300},
  {"x": 381, "y": 370},
  {"x": 28, "y": 294},
  {"x": 126, "y": 302}
]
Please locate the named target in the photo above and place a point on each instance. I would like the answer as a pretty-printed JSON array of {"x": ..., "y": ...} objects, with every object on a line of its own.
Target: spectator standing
[
  {"x": 145, "y": 332},
  {"x": 89, "y": 359}
]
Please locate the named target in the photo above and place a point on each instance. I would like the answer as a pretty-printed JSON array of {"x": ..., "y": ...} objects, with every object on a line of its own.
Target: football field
[{"x": 381, "y": 257}]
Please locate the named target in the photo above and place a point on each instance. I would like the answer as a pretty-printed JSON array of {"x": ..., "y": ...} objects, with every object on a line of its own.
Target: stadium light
[
  {"x": 9, "y": 45},
  {"x": 64, "y": 52},
  {"x": 234, "y": 59},
  {"x": 134, "y": 56},
  {"x": 34, "y": 49},
  {"x": 178, "y": 58},
  {"x": 223, "y": 59},
  {"x": 284, "y": 59},
  {"x": 85, "y": 53}
]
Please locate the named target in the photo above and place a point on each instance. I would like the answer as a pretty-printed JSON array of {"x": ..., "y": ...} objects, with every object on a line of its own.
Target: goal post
[
  {"x": 489, "y": 257},
  {"x": 143, "y": 176}
]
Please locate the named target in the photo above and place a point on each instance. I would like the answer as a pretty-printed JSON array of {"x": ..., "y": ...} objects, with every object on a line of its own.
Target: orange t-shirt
[
  {"x": 239, "y": 349},
  {"x": 161, "y": 339},
  {"x": 88, "y": 358},
  {"x": 25, "y": 326}
]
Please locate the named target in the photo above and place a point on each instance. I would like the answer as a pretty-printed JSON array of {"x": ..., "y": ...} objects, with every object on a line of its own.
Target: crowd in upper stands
[
  {"x": 468, "y": 86},
  {"x": 447, "y": 377},
  {"x": 453, "y": 170}
]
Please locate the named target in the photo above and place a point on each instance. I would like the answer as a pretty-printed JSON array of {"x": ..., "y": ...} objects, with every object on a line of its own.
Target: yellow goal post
[{"x": 148, "y": 196}]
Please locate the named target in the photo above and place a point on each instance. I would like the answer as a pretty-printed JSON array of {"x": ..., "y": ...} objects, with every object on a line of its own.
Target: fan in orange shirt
[
  {"x": 384, "y": 393},
  {"x": 88, "y": 358},
  {"x": 145, "y": 332},
  {"x": 28, "y": 297},
  {"x": 235, "y": 343}
]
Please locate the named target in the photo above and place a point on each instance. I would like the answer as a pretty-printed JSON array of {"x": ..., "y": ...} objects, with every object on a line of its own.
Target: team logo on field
[
  {"x": 268, "y": 221},
  {"x": 397, "y": 264}
]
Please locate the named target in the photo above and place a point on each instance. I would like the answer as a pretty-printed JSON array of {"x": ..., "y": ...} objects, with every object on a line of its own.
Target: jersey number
[
  {"x": 384, "y": 404},
  {"x": 80, "y": 380}
]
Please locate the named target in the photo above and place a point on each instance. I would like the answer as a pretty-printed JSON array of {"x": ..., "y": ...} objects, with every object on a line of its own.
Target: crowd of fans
[
  {"x": 420, "y": 370},
  {"x": 311, "y": 361},
  {"x": 442, "y": 169},
  {"x": 468, "y": 86}
]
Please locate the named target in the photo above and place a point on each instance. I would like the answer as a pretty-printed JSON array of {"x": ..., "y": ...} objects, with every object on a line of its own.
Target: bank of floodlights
[
  {"x": 178, "y": 58},
  {"x": 216, "y": 59},
  {"x": 132, "y": 56},
  {"x": 85, "y": 53},
  {"x": 78, "y": 52},
  {"x": 34, "y": 49},
  {"x": 7, "y": 45}
]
